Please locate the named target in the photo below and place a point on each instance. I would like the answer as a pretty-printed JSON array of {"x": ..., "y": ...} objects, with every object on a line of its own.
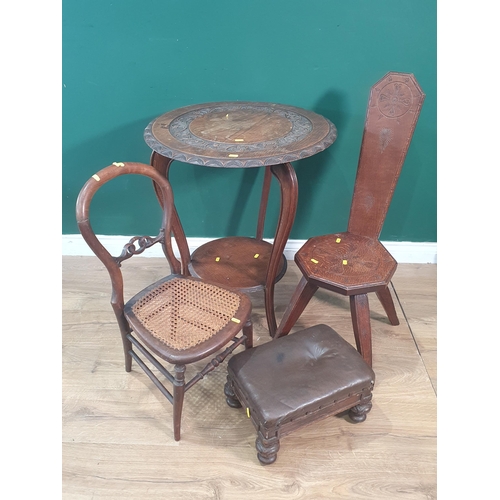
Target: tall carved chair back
[
  {"x": 354, "y": 262},
  {"x": 179, "y": 319},
  {"x": 393, "y": 110}
]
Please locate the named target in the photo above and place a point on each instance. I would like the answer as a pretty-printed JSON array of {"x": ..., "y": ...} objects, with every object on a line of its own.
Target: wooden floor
[{"x": 117, "y": 427}]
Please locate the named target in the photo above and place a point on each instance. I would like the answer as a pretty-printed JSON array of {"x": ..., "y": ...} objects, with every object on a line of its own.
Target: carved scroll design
[
  {"x": 142, "y": 242},
  {"x": 268, "y": 160},
  {"x": 210, "y": 153}
]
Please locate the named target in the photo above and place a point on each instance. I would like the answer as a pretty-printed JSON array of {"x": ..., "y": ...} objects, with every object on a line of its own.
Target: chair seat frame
[{"x": 135, "y": 344}]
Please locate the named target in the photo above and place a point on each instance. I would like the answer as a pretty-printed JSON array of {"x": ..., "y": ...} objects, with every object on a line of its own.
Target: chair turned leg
[
  {"x": 128, "y": 360},
  {"x": 124, "y": 332},
  {"x": 127, "y": 350},
  {"x": 358, "y": 413},
  {"x": 178, "y": 398},
  {"x": 267, "y": 449},
  {"x": 248, "y": 332},
  {"x": 231, "y": 398},
  {"x": 360, "y": 314},
  {"x": 300, "y": 298},
  {"x": 385, "y": 298}
]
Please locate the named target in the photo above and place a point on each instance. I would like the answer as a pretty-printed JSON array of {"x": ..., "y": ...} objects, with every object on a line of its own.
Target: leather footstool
[{"x": 294, "y": 380}]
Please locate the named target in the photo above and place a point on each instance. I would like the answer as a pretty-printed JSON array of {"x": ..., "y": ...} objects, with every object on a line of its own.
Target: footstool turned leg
[
  {"x": 267, "y": 449},
  {"x": 231, "y": 398},
  {"x": 358, "y": 413}
]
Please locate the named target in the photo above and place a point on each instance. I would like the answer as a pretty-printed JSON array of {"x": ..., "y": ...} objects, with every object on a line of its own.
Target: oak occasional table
[{"x": 243, "y": 135}]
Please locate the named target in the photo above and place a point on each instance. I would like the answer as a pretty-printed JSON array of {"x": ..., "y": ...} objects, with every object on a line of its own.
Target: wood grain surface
[
  {"x": 239, "y": 134},
  {"x": 116, "y": 426}
]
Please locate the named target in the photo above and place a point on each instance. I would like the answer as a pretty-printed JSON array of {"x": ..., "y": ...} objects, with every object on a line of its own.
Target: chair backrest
[
  {"x": 392, "y": 114},
  {"x": 139, "y": 243}
]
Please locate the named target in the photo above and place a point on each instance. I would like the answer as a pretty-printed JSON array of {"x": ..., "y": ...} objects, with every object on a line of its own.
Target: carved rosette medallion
[{"x": 395, "y": 99}]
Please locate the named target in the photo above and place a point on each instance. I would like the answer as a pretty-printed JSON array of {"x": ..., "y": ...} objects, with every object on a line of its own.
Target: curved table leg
[
  {"x": 162, "y": 164},
  {"x": 266, "y": 186},
  {"x": 287, "y": 179},
  {"x": 285, "y": 174}
]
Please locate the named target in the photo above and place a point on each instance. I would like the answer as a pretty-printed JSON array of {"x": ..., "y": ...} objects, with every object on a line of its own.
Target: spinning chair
[
  {"x": 354, "y": 263},
  {"x": 179, "y": 319}
]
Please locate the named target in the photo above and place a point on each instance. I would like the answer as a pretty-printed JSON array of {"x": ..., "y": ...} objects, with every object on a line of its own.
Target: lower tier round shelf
[{"x": 237, "y": 262}]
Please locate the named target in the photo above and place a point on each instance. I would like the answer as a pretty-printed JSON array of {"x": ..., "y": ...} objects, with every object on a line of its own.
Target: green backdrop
[{"x": 126, "y": 62}]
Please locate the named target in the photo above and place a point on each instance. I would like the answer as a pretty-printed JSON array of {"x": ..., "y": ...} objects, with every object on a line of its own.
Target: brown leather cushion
[{"x": 292, "y": 375}]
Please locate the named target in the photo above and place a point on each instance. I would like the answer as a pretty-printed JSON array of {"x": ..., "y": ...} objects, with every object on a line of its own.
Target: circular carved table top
[{"x": 239, "y": 134}]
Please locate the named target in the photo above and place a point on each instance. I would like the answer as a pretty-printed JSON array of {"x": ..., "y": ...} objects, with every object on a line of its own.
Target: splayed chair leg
[
  {"x": 385, "y": 298},
  {"x": 360, "y": 314},
  {"x": 301, "y": 297}
]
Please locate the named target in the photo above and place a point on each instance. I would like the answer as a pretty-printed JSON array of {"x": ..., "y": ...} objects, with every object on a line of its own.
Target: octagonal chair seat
[
  {"x": 355, "y": 263},
  {"x": 346, "y": 263}
]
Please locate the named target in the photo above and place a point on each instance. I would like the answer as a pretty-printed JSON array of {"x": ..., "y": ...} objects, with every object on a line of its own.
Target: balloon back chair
[
  {"x": 354, "y": 263},
  {"x": 179, "y": 319}
]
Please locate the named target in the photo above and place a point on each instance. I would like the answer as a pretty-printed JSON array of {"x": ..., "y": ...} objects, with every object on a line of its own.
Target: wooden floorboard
[
  {"x": 415, "y": 286},
  {"x": 117, "y": 427}
]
